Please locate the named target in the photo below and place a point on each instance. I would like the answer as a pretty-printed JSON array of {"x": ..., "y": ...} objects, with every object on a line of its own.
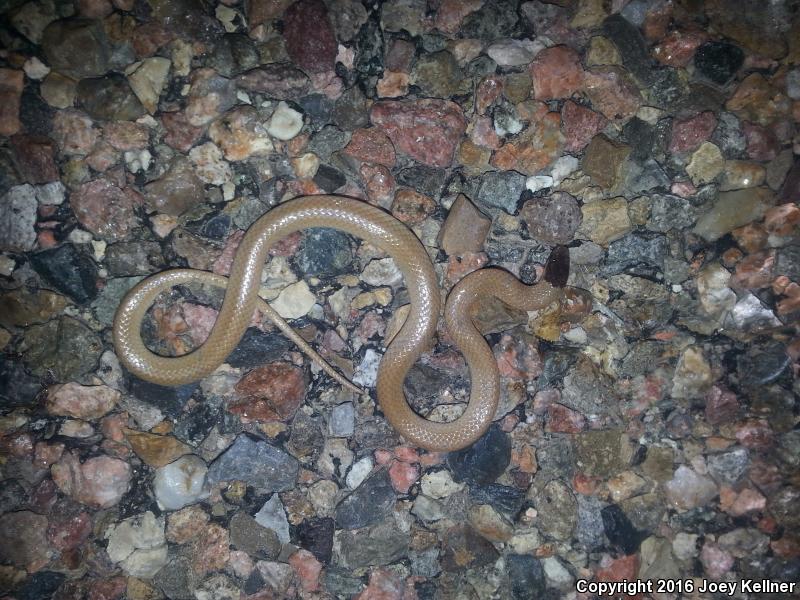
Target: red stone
[
  {"x": 379, "y": 183},
  {"x": 68, "y": 532},
  {"x": 677, "y": 49},
  {"x": 518, "y": 359},
  {"x": 580, "y": 125},
  {"x": 210, "y": 549},
  {"x": 721, "y": 406},
  {"x": 482, "y": 133},
  {"x": 561, "y": 419},
  {"x": 452, "y": 12},
  {"x": 108, "y": 588},
  {"x": 427, "y": 130},
  {"x": 740, "y": 503},
  {"x": 125, "y": 135},
  {"x": 371, "y": 145},
  {"x": 270, "y": 393},
  {"x": 11, "y": 83},
  {"x": 411, "y": 207},
  {"x": 688, "y": 134},
  {"x": 180, "y": 134},
  {"x": 534, "y": 149},
  {"x": 612, "y": 92},
  {"x": 754, "y": 271},
  {"x": 106, "y": 210},
  {"x": 782, "y": 220},
  {"x": 309, "y": 36},
  {"x": 307, "y": 568},
  {"x": 488, "y": 90},
  {"x": 149, "y": 37},
  {"x": 400, "y": 55},
  {"x": 556, "y": 73},
  {"x": 460, "y": 266},
  {"x": 403, "y": 476},
  {"x": 762, "y": 143},
  {"x": 618, "y": 569},
  {"x": 33, "y": 156},
  {"x": 383, "y": 585},
  {"x": 755, "y": 434}
]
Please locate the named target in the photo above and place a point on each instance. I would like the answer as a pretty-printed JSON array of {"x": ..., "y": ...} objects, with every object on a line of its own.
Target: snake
[{"x": 381, "y": 229}]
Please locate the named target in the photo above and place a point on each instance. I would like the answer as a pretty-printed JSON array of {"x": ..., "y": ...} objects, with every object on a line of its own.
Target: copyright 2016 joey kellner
[{"x": 633, "y": 587}]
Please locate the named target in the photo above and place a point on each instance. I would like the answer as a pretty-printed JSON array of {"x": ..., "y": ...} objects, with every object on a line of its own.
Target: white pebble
[
  {"x": 359, "y": 472},
  {"x": 563, "y": 167},
  {"x": 294, "y": 301},
  {"x": 50, "y": 193},
  {"x": 180, "y": 483},
  {"x": 35, "y": 69},
  {"x": 285, "y": 122},
  {"x": 538, "y": 182}
]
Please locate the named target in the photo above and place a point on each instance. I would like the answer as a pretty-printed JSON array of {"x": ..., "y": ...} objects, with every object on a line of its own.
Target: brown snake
[{"x": 376, "y": 227}]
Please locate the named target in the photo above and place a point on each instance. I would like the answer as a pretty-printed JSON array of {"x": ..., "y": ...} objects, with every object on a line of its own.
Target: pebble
[
  {"x": 342, "y": 420},
  {"x": 553, "y": 219},
  {"x": 605, "y": 221},
  {"x": 465, "y": 228},
  {"x": 251, "y": 537},
  {"x": 513, "y": 53},
  {"x": 732, "y": 210},
  {"x": 180, "y": 483},
  {"x": 25, "y": 535},
  {"x": 285, "y": 123},
  {"x": 18, "y": 212},
  {"x": 138, "y": 545},
  {"x": 370, "y": 503},
  {"x": 706, "y": 163},
  {"x": 427, "y": 130},
  {"x": 484, "y": 461},
  {"x": 262, "y": 465},
  {"x": 99, "y": 482},
  {"x": 81, "y": 402},
  {"x": 294, "y": 301},
  {"x": 687, "y": 489},
  {"x": 501, "y": 190},
  {"x": 718, "y": 61},
  {"x": 556, "y": 73},
  {"x": 272, "y": 515}
]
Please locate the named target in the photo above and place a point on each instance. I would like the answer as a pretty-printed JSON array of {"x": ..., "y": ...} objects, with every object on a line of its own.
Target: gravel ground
[{"x": 648, "y": 434}]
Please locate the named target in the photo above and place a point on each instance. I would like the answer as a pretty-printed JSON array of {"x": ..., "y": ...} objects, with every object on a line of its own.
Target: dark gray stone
[
  {"x": 493, "y": 21},
  {"x": 109, "y": 98},
  {"x": 380, "y": 545},
  {"x": 17, "y": 388},
  {"x": 718, "y": 61},
  {"x": 484, "y": 461},
  {"x": 501, "y": 189},
  {"x": 68, "y": 270},
  {"x": 351, "y": 110},
  {"x": 637, "y": 254},
  {"x": 128, "y": 259},
  {"x": 257, "y": 348},
  {"x": 324, "y": 252},
  {"x": 77, "y": 48},
  {"x": 370, "y": 503},
  {"x": 632, "y": 47},
  {"x": 64, "y": 349},
  {"x": 233, "y": 54},
  {"x": 258, "y": 541},
  {"x": 526, "y": 577},
  {"x": 262, "y": 465},
  {"x": 730, "y": 466}
]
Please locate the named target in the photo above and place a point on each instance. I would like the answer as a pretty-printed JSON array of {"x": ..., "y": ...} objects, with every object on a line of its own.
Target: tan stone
[
  {"x": 605, "y": 220},
  {"x": 465, "y": 228},
  {"x": 156, "y": 450},
  {"x": 603, "y": 161},
  {"x": 706, "y": 163}
]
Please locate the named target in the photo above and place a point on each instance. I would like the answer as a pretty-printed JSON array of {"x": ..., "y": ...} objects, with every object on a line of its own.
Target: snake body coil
[{"x": 377, "y": 227}]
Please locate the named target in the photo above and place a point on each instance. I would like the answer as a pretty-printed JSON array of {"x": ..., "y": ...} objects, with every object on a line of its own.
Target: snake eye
[{"x": 556, "y": 270}]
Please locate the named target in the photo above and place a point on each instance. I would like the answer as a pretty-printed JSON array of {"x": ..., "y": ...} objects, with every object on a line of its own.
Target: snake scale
[{"x": 362, "y": 220}]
